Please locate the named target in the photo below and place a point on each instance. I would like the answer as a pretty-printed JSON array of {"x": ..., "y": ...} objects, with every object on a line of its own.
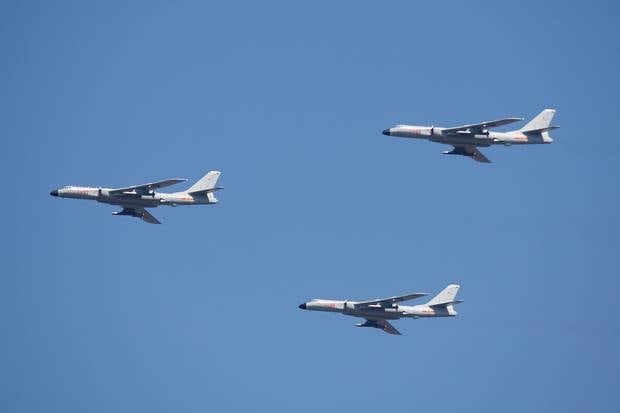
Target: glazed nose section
[
  {"x": 54, "y": 192},
  {"x": 386, "y": 132},
  {"x": 302, "y": 306}
]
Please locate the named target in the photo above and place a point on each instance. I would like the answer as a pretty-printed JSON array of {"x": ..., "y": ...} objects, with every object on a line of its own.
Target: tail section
[
  {"x": 446, "y": 297},
  {"x": 206, "y": 186},
  {"x": 541, "y": 121},
  {"x": 206, "y": 183},
  {"x": 537, "y": 130}
]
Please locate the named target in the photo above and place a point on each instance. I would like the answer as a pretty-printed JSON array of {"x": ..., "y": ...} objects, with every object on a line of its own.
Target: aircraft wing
[
  {"x": 147, "y": 217},
  {"x": 470, "y": 151},
  {"x": 145, "y": 188},
  {"x": 388, "y": 328},
  {"x": 141, "y": 213},
  {"x": 389, "y": 302},
  {"x": 381, "y": 323},
  {"x": 479, "y": 127}
]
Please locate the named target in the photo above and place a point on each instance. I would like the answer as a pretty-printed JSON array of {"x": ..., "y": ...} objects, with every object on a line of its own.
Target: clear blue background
[{"x": 288, "y": 99}]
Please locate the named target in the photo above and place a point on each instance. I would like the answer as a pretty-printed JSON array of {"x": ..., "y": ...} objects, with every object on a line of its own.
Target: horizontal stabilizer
[
  {"x": 541, "y": 130},
  {"x": 447, "y": 303},
  {"x": 216, "y": 188}
]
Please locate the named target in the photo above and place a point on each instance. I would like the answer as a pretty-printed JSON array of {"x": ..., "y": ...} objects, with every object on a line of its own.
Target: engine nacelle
[{"x": 348, "y": 307}]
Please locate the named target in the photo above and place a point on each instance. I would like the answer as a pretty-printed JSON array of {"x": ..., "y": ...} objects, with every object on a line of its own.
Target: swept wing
[
  {"x": 389, "y": 302},
  {"x": 479, "y": 127},
  {"x": 147, "y": 217},
  {"x": 382, "y": 324},
  {"x": 145, "y": 188},
  {"x": 469, "y": 150},
  {"x": 141, "y": 213}
]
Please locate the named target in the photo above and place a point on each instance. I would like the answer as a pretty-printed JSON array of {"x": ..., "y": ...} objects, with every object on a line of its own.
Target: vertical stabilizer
[
  {"x": 206, "y": 183},
  {"x": 446, "y": 296},
  {"x": 541, "y": 121}
]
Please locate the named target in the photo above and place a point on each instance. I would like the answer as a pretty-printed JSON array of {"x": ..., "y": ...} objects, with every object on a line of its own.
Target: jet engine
[{"x": 348, "y": 307}]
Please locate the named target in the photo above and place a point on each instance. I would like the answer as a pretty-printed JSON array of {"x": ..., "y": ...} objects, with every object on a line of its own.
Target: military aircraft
[
  {"x": 466, "y": 139},
  {"x": 378, "y": 312},
  {"x": 135, "y": 199}
]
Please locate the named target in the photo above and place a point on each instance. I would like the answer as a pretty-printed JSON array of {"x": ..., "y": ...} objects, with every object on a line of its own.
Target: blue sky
[{"x": 288, "y": 99}]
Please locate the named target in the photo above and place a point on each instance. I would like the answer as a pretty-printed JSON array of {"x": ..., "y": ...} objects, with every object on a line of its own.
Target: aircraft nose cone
[
  {"x": 386, "y": 132},
  {"x": 302, "y": 306},
  {"x": 54, "y": 192}
]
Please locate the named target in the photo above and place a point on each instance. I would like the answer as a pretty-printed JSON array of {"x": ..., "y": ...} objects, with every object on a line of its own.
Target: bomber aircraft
[
  {"x": 466, "y": 139},
  {"x": 378, "y": 312},
  {"x": 135, "y": 199}
]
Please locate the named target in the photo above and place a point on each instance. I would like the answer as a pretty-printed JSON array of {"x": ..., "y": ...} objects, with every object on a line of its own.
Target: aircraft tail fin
[
  {"x": 206, "y": 185},
  {"x": 541, "y": 121},
  {"x": 446, "y": 297}
]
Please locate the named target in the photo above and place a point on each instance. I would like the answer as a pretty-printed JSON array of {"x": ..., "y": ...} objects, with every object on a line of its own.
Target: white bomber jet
[
  {"x": 467, "y": 138},
  {"x": 378, "y": 312},
  {"x": 135, "y": 199}
]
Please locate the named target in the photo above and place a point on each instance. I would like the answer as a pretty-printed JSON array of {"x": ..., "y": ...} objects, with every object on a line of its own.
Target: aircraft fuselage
[
  {"x": 376, "y": 311},
  {"x": 131, "y": 198},
  {"x": 488, "y": 138}
]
